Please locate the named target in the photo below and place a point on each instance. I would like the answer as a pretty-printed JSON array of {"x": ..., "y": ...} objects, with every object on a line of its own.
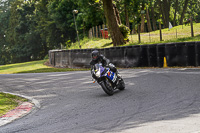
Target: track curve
[{"x": 155, "y": 100}]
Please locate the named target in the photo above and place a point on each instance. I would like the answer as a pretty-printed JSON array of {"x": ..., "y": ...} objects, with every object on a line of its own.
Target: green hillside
[{"x": 176, "y": 34}]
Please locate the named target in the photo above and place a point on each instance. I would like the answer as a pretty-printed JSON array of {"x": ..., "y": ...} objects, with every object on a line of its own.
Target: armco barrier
[
  {"x": 191, "y": 52},
  {"x": 160, "y": 49},
  {"x": 132, "y": 56},
  {"x": 177, "y": 54},
  {"x": 197, "y": 49}
]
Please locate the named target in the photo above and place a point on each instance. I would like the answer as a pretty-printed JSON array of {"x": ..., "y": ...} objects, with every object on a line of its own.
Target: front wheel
[{"x": 107, "y": 87}]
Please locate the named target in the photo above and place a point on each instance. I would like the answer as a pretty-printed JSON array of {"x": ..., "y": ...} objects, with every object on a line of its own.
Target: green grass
[
  {"x": 176, "y": 34},
  {"x": 92, "y": 43},
  {"x": 183, "y": 35},
  {"x": 9, "y": 102},
  {"x": 32, "y": 67}
]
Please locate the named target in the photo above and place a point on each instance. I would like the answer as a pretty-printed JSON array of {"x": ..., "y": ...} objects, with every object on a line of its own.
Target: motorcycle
[{"x": 107, "y": 79}]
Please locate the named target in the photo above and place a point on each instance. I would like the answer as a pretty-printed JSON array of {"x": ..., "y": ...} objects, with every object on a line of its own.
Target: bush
[
  {"x": 46, "y": 57},
  {"x": 125, "y": 31}
]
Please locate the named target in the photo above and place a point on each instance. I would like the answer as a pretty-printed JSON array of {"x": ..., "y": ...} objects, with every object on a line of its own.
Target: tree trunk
[
  {"x": 127, "y": 17},
  {"x": 176, "y": 8},
  {"x": 183, "y": 13},
  {"x": 148, "y": 21},
  {"x": 153, "y": 17},
  {"x": 114, "y": 30},
  {"x": 162, "y": 12},
  {"x": 116, "y": 13},
  {"x": 142, "y": 19},
  {"x": 165, "y": 9}
]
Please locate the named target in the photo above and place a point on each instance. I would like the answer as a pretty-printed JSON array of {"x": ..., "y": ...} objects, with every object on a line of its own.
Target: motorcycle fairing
[{"x": 111, "y": 75}]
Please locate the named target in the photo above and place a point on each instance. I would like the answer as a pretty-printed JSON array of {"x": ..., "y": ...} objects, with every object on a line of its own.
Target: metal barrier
[{"x": 177, "y": 54}]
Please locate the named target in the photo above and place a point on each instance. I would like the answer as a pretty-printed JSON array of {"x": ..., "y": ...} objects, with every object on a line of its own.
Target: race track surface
[{"x": 154, "y": 101}]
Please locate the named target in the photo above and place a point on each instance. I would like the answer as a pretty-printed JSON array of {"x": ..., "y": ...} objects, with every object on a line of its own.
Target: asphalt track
[{"x": 155, "y": 101}]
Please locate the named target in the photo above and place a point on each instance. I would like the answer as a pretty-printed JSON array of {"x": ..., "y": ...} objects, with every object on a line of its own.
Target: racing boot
[{"x": 118, "y": 75}]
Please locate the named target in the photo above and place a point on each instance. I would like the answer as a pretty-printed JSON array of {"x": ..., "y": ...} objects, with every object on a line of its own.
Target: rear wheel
[
  {"x": 107, "y": 87},
  {"x": 121, "y": 85}
]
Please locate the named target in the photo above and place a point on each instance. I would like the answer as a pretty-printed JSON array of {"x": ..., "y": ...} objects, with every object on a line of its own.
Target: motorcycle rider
[{"x": 99, "y": 58}]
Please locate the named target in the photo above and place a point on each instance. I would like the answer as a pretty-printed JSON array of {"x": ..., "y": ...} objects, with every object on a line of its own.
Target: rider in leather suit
[{"x": 99, "y": 58}]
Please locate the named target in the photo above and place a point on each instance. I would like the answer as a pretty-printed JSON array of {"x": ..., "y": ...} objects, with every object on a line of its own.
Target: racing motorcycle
[{"x": 107, "y": 79}]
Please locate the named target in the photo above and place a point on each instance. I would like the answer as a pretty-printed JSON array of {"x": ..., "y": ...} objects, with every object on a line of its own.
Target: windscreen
[{"x": 99, "y": 67}]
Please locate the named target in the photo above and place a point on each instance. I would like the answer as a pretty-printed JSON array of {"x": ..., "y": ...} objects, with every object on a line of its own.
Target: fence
[
  {"x": 177, "y": 54},
  {"x": 174, "y": 33},
  {"x": 98, "y": 32}
]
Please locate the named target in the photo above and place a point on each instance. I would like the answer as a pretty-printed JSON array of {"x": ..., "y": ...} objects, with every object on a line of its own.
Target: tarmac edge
[{"x": 22, "y": 110}]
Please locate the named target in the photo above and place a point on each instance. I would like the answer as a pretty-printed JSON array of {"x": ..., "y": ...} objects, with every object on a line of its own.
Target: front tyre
[{"x": 107, "y": 87}]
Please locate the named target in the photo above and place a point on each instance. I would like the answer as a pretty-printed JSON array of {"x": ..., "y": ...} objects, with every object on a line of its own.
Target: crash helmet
[{"x": 95, "y": 55}]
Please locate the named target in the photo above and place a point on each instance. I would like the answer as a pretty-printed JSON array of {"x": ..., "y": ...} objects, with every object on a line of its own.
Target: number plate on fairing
[{"x": 112, "y": 76}]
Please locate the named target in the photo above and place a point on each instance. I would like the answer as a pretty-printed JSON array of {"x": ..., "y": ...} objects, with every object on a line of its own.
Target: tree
[
  {"x": 153, "y": 7},
  {"x": 183, "y": 12},
  {"x": 148, "y": 20},
  {"x": 126, "y": 3},
  {"x": 90, "y": 14},
  {"x": 143, "y": 12},
  {"x": 4, "y": 24},
  {"x": 113, "y": 26},
  {"x": 176, "y": 8},
  {"x": 142, "y": 17},
  {"x": 165, "y": 10},
  {"x": 61, "y": 20},
  {"x": 42, "y": 19},
  {"x": 25, "y": 41}
]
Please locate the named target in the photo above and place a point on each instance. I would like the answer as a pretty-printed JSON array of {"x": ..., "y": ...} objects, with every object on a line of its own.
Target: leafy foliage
[
  {"x": 4, "y": 22},
  {"x": 125, "y": 31},
  {"x": 29, "y": 29}
]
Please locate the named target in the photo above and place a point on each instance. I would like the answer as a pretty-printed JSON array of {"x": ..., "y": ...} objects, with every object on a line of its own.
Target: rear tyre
[{"x": 121, "y": 85}]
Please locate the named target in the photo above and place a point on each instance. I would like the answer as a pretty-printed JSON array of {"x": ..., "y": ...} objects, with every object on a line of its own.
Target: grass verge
[
  {"x": 32, "y": 67},
  {"x": 9, "y": 102}
]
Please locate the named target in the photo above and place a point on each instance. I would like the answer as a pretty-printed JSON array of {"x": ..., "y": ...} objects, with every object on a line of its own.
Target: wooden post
[
  {"x": 139, "y": 39},
  {"x": 160, "y": 31},
  {"x": 83, "y": 29},
  {"x": 103, "y": 31},
  {"x": 176, "y": 33},
  {"x": 97, "y": 32},
  {"x": 100, "y": 31},
  {"x": 132, "y": 38},
  {"x": 90, "y": 33},
  {"x": 93, "y": 34},
  {"x": 149, "y": 37},
  {"x": 192, "y": 31}
]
